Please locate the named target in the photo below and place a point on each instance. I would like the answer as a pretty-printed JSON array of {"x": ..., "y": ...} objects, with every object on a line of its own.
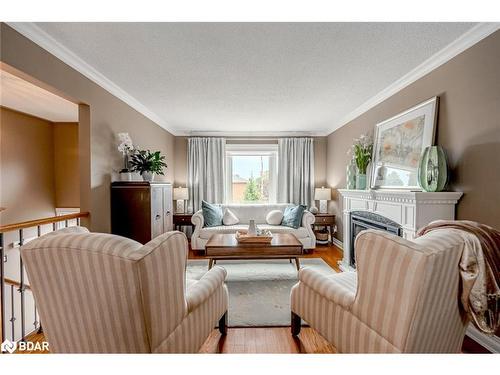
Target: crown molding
[
  {"x": 465, "y": 41},
  {"x": 47, "y": 42}
]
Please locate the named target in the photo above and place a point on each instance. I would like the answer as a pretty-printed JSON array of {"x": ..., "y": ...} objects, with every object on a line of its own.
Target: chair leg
[
  {"x": 223, "y": 324},
  {"x": 296, "y": 324}
]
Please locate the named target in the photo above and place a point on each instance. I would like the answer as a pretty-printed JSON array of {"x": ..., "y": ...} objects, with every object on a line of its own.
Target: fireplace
[
  {"x": 409, "y": 210},
  {"x": 362, "y": 220}
]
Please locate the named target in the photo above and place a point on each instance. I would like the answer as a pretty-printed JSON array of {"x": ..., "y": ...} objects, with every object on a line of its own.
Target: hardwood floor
[{"x": 274, "y": 340}]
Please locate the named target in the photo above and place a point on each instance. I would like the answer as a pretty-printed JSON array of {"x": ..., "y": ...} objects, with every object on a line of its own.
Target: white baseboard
[{"x": 337, "y": 243}]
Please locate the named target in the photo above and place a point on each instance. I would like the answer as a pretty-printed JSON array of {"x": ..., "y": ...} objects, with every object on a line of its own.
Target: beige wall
[
  {"x": 181, "y": 159},
  {"x": 107, "y": 115},
  {"x": 26, "y": 167},
  {"x": 468, "y": 129},
  {"x": 38, "y": 166},
  {"x": 66, "y": 164},
  {"x": 320, "y": 147}
]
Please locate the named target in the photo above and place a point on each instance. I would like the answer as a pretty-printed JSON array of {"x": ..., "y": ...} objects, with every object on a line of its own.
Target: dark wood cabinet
[{"x": 141, "y": 210}]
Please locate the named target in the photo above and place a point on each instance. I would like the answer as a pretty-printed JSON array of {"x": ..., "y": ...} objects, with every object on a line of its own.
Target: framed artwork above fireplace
[{"x": 399, "y": 143}]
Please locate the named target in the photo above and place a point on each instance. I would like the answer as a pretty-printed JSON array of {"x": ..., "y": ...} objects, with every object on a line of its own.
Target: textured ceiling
[
  {"x": 23, "y": 96},
  {"x": 253, "y": 77}
]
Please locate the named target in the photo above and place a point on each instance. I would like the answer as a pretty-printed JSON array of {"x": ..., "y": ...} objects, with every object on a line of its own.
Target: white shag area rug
[{"x": 259, "y": 291}]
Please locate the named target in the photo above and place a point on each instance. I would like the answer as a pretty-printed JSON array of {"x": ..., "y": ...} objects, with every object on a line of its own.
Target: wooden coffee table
[{"x": 225, "y": 246}]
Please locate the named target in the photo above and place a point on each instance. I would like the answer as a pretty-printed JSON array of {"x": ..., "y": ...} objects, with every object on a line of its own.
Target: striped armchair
[
  {"x": 101, "y": 293},
  {"x": 404, "y": 297}
]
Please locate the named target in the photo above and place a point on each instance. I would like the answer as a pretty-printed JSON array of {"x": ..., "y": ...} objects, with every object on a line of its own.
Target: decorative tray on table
[{"x": 264, "y": 236}]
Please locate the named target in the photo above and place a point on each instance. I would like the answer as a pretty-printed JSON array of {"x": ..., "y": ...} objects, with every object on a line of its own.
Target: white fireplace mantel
[{"x": 410, "y": 209}]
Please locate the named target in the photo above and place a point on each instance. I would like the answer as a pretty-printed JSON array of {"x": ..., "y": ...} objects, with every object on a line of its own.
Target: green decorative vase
[
  {"x": 361, "y": 181},
  {"x": 351, "y": 175},
  {"x": 433, "y": 169}
]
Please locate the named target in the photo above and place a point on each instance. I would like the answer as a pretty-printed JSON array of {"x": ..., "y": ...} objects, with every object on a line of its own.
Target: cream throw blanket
[{"x": 479, "y": 271}]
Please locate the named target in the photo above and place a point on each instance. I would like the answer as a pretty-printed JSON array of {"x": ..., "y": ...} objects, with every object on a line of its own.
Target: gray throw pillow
[
  {"x": 292, "y": 217},
  {"x": 212, "y": 214}
]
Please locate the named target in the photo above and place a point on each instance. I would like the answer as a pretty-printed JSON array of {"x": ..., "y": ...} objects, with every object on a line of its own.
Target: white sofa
[{"x": 257, "y": 212}]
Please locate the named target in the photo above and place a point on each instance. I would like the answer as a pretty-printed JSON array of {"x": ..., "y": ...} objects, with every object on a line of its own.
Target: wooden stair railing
[
  {"x": 44, "y": 221},
  {"x": 20, "y": 284}
]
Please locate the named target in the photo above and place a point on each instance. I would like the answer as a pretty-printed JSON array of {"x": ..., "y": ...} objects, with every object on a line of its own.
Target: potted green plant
[
  {"x": 362, "y": 152},
  {"x": 148, "y": 164}
]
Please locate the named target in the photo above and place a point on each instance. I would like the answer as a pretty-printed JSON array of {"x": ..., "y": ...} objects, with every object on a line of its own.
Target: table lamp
[
  {"x": 180, "y": 195},
  {"x": 323, "y": 195}
]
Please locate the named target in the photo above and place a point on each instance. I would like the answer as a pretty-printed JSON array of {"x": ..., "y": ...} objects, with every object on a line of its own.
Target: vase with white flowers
[
  {"x": 362, "y": 155},
  {"x": 126, "y": 147}
]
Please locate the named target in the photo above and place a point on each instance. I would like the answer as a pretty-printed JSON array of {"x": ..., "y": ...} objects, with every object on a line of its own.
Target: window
[{"x": 251, "y": 173}]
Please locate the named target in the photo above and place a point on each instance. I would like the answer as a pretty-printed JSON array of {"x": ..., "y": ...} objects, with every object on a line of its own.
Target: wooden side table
[
  {"x": 325, "y": 220},
  {"x": 182, "y": 220}
]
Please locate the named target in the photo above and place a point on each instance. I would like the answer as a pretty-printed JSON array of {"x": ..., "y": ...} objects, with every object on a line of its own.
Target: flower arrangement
[
  {"x": 126, "y": 147},
  {"x": 361, "y": 151},
  {"x": 361, "y": 155}
]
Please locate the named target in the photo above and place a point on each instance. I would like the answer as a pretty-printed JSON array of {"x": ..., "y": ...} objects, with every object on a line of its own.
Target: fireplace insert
[{"x": 362, "y": 220}]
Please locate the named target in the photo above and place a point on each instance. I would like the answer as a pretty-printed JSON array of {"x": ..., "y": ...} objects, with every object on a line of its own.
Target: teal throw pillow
[
  {"x": 292, "y": 217},
  {"x": 212, "y": 214}
]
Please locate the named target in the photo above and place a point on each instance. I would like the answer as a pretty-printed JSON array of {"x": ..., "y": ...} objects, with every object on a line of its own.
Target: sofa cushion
[
  {"x": 257, "y": 212},
  {"x": 229, "y": 217},
  {"x": 292, "y": 217},
  {"x": 206, "y": 232},
  {"x": 212, "y": 214},
  {"x": 274, "y": 217}
]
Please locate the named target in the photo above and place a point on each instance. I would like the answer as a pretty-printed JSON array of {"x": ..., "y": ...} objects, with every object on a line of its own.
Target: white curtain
[
  {"x": 296, "y": 171},
  {"x": 205, "y": 171}
]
